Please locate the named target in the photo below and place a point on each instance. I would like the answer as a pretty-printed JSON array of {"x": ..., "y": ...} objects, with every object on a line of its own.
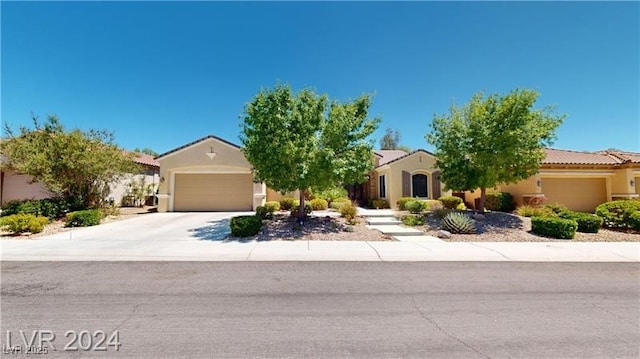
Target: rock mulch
[
  {"x": 508, "y": 227},
  {"x": 58, "y": 226},
  {"x": 325, "y": 228}
]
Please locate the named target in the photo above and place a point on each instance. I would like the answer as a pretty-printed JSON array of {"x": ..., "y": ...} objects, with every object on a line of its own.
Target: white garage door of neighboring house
[
  {"x": 579, "y": 194},
  {"x": 213, "y": 192}
]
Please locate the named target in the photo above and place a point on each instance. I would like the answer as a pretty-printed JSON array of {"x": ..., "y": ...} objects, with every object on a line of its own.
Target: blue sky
[{"x": 137, "y": 67}]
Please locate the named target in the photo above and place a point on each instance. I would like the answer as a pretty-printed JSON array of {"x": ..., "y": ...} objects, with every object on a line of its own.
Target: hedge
[
  {"x": 245, "y": 226},
  {"x": 23, "y": 222},
  {"x": 319, "y": 204},
  {"x": 554, "y": 227},
  {"x": 86, "y": 218},
  {"x": 617, "y": 214},
  {"x": 499, "y": 201},
  {"x": 450, "y": 202},
  {"x": 587, "y": 222}
]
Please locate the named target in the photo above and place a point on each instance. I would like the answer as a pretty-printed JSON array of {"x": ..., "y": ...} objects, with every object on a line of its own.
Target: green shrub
[
  {"x": 245, "y": 226},
  {"x": 554, "y": 227},
  {"x": 286, "y": 203},
  {"x": 307, "y": 208},
  {"x": 402, "y": 202},
  {"x": 416, "y": 206},
  {"x": 89, "y": 217},
  {"x": 433, "y": 204},
  {"x": 340, "y": 199},
  {"x": 319, "y": 204},
  {"x": 532, "y": 211},
  {"x": 456, "y": 222},
  {"x": 461, "y": 207},
  {"x": 273, "y": 206},
  {"x": 413, "y": 220},
  {"x": 348, "y": 211},
  {"x": 499, "y": 201},
  {"x": 556, "y": 208},
  {"x": 380, "y": 203},
  {"x": 440, "y": 213},
  {"x": 634, "y": 220},
  {"x": 331, "y": 194},
  {"x": 337, "y": 205},
  {"x": 264, "y": 212},
  {"x": 23, "y": 222},
  {"x": 450, "y": 202},
  {"x": 48, "y": 207},
  {"x": 587, "y": 222},
  {"x": 617, "y": 214}
]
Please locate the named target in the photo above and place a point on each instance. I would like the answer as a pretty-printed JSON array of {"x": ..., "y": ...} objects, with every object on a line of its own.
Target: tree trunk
[
  {"x": 301, "y": 213},
  {"x": 483, "y": 195}
]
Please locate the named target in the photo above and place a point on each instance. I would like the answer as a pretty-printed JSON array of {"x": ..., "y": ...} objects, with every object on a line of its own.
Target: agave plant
[{"x": 456, "y": 222}]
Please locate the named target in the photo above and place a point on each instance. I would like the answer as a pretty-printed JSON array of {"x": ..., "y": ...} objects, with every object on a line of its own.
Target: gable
[{"x": 208, "y": 151}]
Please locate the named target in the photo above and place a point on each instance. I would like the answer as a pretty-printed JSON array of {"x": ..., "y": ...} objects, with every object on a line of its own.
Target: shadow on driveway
[{"x": 217, "y": 230}]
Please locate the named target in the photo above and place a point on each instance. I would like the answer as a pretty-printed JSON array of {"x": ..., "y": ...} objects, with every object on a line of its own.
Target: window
[
  {"x": 420, "y": 187},
  {"x": 383, "y": 187}
]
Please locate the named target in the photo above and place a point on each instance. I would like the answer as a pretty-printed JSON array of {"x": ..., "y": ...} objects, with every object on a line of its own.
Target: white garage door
[
  {"x": 579, "y": 194},
  {"x": 213, "y": 192}
]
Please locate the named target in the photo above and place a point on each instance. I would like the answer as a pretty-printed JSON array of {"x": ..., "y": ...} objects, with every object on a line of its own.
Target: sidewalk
[{"x": 186, "y": 249}]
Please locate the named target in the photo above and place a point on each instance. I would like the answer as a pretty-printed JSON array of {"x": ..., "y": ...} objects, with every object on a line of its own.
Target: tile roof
[
  {"x": 389, "y": 155},
  {"x": 608, "y": 157},
  {"x": 146, "y": 160},
  {"x": 398, "y": 158}
]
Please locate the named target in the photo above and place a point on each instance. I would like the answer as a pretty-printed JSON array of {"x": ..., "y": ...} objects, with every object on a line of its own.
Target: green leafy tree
[
  {"x": 305, "y": 141},
  {"x": 146, "y": 151},
  {"x": 492, "y": 140},
  {"x": 390, "y": 140},
  {"x": 76, "y": 165}
]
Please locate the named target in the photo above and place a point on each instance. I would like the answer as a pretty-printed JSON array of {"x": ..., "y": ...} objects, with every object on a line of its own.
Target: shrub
[
  {"x": 341, "y": 199},
  {"x": 49, "y": 207},
  {"x": 416, "y": 206},
  {"x": 533, "y": 211},
  {"x": 110, "y": 210},
  {"x": 331, "y": 194},
  {"x": 264, "y": 212},
  {"x": 319, "y": 204},
  {"x": 402, "y": 202},
  {"x": 456, "y": 222},
  {"x": 273, "y": 206},
  {"x": 413, "y": 220},
  {"x": 348, "y": 211},
  {"x": 554, "y": 227},
  {"x": 450, "y": 202},
  {"x": 337, "y": 205},
  {"x": 634, "y": 220},
  {"x": 245, "y": 226},
  {"x": 307, "y": 208},
  {"x": 433, "y": 204},
  {"x": 556, "y": 208},
  {"x": 89, "y": 217},
  {"x": 499, "y": 201},
  {"x": 380, "y": 203},
  {"x": 617, "y": 214},
  {"x": 440, "y": 213},
  {"x": 286, "y": 203},
  {"x": 461, "y": 207},
  {"x": 23, "y": 222},
  {"x": 587, "y": 222}
]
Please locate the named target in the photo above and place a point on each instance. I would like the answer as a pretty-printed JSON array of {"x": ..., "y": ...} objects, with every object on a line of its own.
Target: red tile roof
[
  {"x": 389, "y": 155},
  {"x": 632, "y": 157},
  {"x": 146, "y": 160},
  {"x": 566, "y": 157}
]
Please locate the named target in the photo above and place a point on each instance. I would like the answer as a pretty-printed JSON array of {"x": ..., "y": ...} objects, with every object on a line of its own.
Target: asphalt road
[{"x": 324, "y": 309}]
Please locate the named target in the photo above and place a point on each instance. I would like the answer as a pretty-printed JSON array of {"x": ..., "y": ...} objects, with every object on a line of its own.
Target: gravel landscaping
[
  {"x": 507, "y": 227},
  {"x": 316, "y": 228}
]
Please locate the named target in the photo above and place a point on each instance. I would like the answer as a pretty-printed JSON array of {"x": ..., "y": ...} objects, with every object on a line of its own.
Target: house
[
  {"x": 580, "y": 180},
  {"x": 399, "y": 174},
  {"x": 15, "y": 186}
]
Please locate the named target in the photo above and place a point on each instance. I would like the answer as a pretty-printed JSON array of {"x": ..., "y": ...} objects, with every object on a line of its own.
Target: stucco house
[{"x": 15, "y": 186}]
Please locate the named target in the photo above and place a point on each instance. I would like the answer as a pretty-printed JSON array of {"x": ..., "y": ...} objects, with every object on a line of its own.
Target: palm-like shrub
[{"x": 456, "y": 222}]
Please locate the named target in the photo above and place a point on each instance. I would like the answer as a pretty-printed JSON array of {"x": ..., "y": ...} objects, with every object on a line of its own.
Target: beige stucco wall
[
  {"x": 194, "y": 159},
  {"x": 17, "y": 187},
  {"x": 418, "y": 162},
  {"x": 525, "y": 188},
  {"x": 120, "y": 188}
]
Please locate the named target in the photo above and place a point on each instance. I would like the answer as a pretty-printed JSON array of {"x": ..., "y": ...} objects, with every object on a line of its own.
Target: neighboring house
[
  {"x": 14, "y": 186},
  {"x": 149, "y": 173},
  {"x": 579, "y": 180}
]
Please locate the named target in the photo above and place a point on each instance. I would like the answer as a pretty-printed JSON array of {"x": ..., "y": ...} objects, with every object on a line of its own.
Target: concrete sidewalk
[{"x": 191, "y": 249}]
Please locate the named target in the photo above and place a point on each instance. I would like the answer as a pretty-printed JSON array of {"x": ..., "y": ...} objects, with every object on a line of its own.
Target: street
[{"x": 323, "y": 309}]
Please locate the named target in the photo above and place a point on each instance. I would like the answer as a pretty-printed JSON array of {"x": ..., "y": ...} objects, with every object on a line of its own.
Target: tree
[
  {"x": 305, "y": 141},
  {"x": 492, "y": 140},
  {"x": 146, "y": 151},
  {"x": 390, "y": 140},
  {"x": 76, "y": 165}
]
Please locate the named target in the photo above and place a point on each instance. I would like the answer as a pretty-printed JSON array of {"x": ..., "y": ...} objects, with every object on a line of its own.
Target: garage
[
  {"x": 579, "y": 194},
  {"x": 213, "y": 192}
]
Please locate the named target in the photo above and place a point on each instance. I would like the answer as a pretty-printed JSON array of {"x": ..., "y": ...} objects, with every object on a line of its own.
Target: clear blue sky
[{"x": 136, "y": 67}]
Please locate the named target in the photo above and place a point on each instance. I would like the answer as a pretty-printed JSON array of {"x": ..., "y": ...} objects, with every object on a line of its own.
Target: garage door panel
[
  {"x": 213, "y": 192},
  {"x": 579, "y": 194}
]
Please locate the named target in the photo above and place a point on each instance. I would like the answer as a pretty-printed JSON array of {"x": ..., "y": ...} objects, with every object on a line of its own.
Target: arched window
[{"x": 420, "y": 185}]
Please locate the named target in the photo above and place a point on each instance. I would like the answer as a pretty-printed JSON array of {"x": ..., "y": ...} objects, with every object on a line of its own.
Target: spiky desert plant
[{"x": 456, "y": 222}]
